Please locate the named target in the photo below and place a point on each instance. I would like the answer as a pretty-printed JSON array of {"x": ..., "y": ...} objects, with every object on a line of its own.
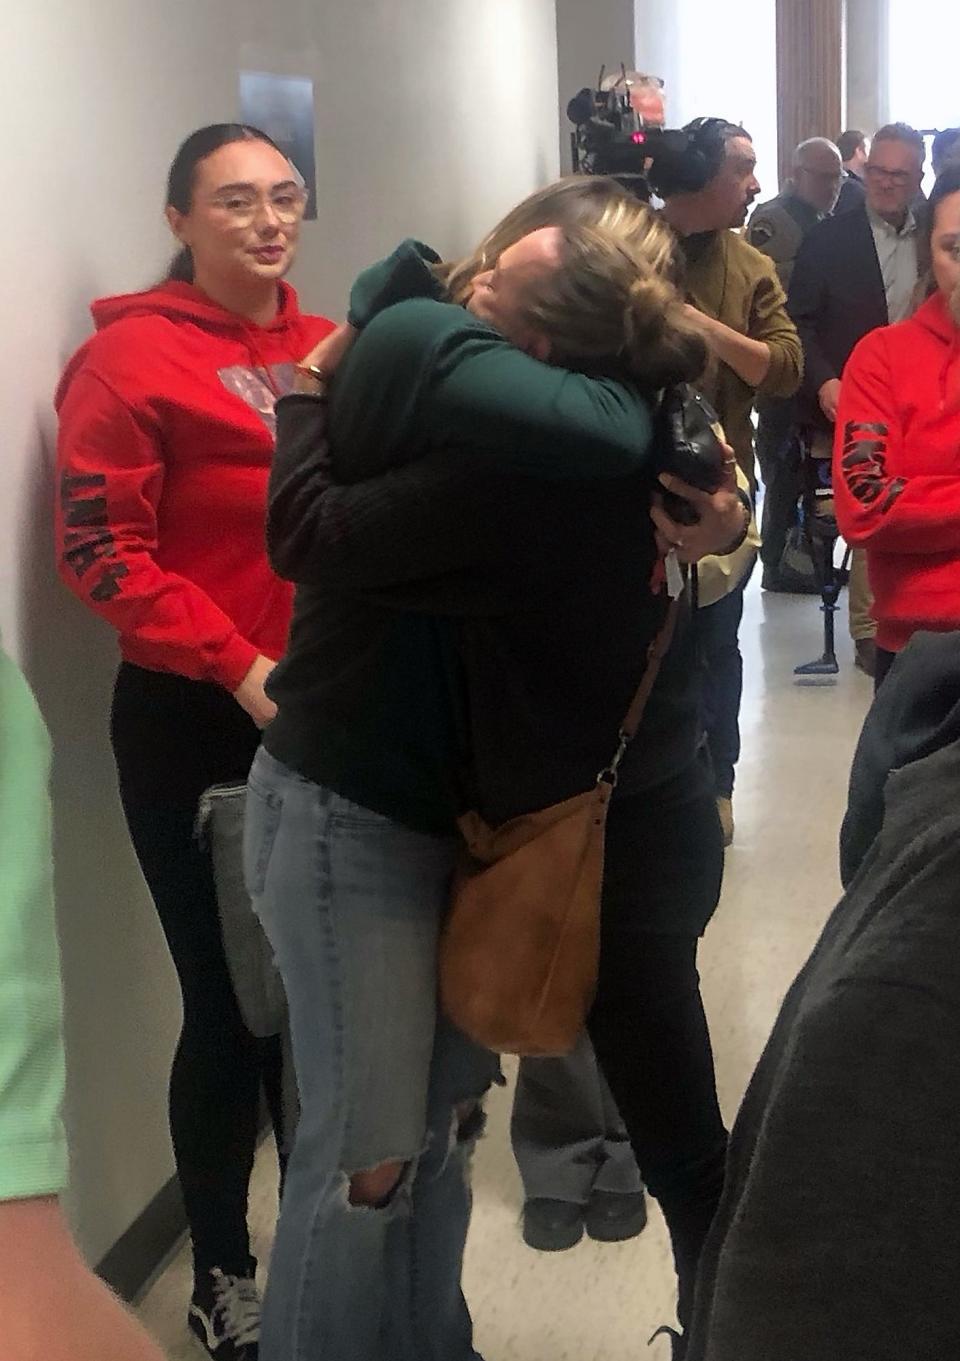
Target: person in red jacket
[
  {"x": 166, "y": 442},
  {"x": 897, "y": 453}
]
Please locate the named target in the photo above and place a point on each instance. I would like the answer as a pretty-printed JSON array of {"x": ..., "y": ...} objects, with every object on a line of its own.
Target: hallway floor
[{"x": 597, "y": 1302}]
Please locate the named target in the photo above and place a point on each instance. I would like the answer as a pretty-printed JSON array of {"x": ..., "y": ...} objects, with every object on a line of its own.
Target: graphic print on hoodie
[
  {"x": 166, "y": 441},
  {"x": 260, "y": 388},
  {"x": 896, "y": 470}
]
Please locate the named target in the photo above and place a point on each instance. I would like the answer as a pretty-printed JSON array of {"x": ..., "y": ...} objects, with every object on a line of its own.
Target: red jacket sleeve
[
  {"x": 877, "y": 505},
  {"x": 109, "y": 479}
]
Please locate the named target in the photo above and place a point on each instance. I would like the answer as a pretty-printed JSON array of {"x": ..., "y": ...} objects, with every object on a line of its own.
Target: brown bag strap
[{"x": 655, "y": 654}]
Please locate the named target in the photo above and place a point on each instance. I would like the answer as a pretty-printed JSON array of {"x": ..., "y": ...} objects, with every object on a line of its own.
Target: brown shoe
[
  {"x": 725, "y": 812},
  {"x": 866, "y": 656}
]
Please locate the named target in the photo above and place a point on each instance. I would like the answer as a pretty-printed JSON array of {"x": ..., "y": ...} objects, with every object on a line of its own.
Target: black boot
[
  {"x": 615, "y": 1217},
  {"x": 552, "y": 1225}
]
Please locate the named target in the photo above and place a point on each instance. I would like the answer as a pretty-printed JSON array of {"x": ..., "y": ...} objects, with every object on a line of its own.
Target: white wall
[
  {"x": 94, "y": 98},
  {"x": 718, "y": 60}
]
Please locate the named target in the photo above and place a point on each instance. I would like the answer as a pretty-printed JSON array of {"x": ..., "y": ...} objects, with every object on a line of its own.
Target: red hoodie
[
  {"x": 896, "y": 470},
  {"x": 166, "y": 440}
]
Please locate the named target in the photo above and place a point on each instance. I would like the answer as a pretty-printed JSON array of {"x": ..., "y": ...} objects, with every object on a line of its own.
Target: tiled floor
[{"x": 601, "y": 1303}]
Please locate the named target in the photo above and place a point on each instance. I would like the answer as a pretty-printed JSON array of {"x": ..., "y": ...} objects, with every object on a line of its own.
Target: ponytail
[{"x": 181, "y": 268}]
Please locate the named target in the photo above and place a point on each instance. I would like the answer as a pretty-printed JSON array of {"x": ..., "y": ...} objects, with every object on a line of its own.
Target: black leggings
[
  {"x": 172, "y": 739},
  {"x": 662, "y": 882}
]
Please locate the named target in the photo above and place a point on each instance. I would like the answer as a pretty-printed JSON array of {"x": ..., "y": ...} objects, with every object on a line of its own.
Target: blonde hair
[
  {"x": 606, "y": 310},
  {"x": 612, "y": 305},
  {"x": 577, "y": 200}
]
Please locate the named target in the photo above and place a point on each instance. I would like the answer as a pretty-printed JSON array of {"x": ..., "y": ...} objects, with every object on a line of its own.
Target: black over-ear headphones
[{"x": 708, "y": 145}]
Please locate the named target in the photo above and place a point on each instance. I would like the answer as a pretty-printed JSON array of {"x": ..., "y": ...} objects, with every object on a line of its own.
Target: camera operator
[{"x": 737, "y": 302}]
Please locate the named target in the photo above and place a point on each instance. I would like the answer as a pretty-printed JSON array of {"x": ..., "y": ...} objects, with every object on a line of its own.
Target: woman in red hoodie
[
  {"x": 166, "y": 441},
  {"x": 897, "y": 453}
]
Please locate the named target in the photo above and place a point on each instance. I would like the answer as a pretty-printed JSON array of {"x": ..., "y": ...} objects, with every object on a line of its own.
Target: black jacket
[
  {"x": 838, "y": 1235},
  {"x": 852, "y": 194},
  {"x": 836, "y": 297},
  {"x": 916, "y": 713}
]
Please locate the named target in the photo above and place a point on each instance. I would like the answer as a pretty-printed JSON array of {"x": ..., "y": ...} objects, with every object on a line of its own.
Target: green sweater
[
  {"x": 471, "y": 481},
  {"x": 33, "y": 1160},
  {"x": 731, "y": 281}
]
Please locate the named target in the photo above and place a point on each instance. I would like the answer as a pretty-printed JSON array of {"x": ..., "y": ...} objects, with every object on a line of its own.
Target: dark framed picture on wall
[{"x": 282, "y": 106}]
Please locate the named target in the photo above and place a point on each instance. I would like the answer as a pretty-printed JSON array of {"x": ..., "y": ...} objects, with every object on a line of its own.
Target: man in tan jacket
[{"x": 736, "y": 299}]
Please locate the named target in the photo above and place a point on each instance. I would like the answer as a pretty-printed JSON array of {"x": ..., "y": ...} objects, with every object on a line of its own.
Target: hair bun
[{"x": 645, "y": 315}]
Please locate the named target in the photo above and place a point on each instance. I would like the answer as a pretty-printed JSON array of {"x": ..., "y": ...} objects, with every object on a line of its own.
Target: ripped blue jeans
[{"x": 352, "y": 903}]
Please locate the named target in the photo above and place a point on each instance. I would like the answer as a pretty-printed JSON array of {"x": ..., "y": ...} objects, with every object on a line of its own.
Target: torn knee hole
[{"x": 376, "y": 1187}]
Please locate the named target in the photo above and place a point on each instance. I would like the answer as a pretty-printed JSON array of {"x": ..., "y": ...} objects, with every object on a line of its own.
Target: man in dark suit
[
  {"x": 854, "y": 273},
  {"x": 854, "y": 150}
]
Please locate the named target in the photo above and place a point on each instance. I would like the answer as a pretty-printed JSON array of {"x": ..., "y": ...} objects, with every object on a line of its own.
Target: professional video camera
[
  {"x": 614, "y": 132},
  {"x": 619, "y": 132}
]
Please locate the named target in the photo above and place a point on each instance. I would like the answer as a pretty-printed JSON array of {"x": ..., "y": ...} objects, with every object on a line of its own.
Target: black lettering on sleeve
[
  {"x": 82, "y": 552},
  {"x": 108, "y": 587},
  {"x": 84, "y": 510},
  {"x": 864, "y": 464}
]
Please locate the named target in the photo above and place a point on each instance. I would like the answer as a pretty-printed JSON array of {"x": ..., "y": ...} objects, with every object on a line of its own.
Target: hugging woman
[{"x": 478, "y": 583}]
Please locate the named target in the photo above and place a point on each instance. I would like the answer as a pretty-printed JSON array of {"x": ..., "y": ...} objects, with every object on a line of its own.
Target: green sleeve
[
  {"x": 431, "y": 373},
  {"x": 32, "y": 1145},
  {"x": 407, "y": 273}
]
